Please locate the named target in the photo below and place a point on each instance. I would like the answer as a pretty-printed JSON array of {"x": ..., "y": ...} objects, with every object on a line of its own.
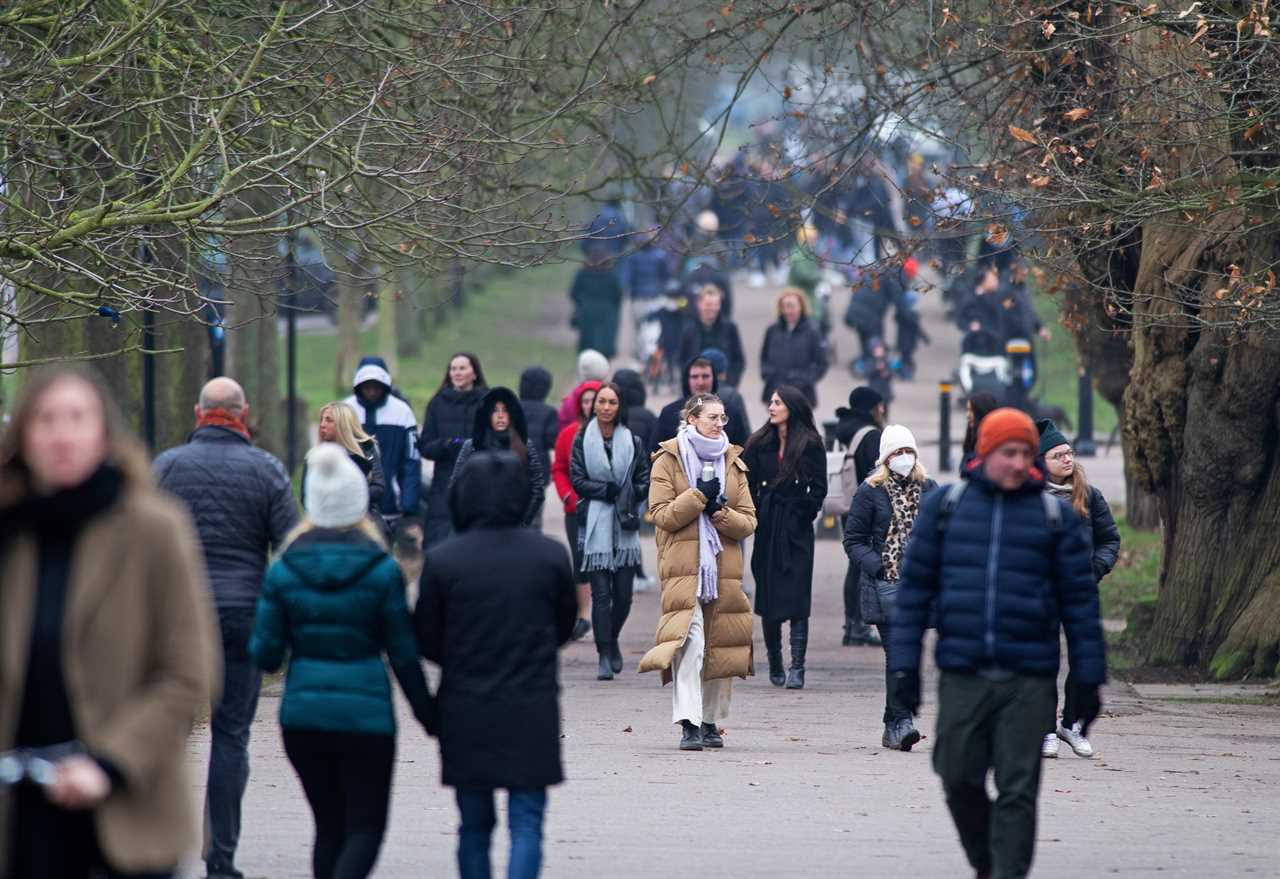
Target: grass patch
[
  {"x": 1136, "y": 575},
  {"x": 499, "y": 323},
  {"x": 1270, "y": 699},
  {"x": 1058, "y": 366}
]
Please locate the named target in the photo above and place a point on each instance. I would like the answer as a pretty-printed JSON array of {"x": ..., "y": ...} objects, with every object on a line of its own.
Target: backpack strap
[
  {"x": 1052, "y": 511},
  {"x": 955, "y": 491}
]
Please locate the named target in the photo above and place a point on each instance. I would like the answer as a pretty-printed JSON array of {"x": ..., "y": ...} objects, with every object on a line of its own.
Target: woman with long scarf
[
  {"x": 875, "y": 539},
  {"x": 702, "y": 511},
  {"x": 609, "y": 471}
]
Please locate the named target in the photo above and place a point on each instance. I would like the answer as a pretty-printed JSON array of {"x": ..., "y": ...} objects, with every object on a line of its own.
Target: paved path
[{"x": 802, "y": 788}]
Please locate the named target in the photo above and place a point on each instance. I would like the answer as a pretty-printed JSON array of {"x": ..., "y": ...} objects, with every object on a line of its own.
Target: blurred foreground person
[
  {"x": 110, "y": 649},
  {"x": 334, "y": 602},
  {"x": 495, "y": 603}
]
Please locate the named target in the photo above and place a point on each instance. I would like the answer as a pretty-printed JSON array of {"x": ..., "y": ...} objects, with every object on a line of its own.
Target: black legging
[
  {"x": 610, "y": 603},
  {"x": 347, "y": 780}
]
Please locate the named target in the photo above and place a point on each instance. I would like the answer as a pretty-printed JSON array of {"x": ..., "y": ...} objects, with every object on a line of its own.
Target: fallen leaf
[
  {"x": 1039, "y": 182},
  {"x": 650, "y": 79},
  {"x": 1076, "y": 115},
  {"x": 1022, "y": 134}
]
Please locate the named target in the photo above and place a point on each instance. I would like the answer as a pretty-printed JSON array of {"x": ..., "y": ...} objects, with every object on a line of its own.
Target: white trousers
[{"x": 692, "y": 698}]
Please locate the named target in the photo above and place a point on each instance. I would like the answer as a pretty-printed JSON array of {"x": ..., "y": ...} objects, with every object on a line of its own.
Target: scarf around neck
[
  {"x": 904, "y": 501},
  {"x": 695, "y": 450},
  {"x": 606, "y": 547},
  {"x": 223, "y": 418}
]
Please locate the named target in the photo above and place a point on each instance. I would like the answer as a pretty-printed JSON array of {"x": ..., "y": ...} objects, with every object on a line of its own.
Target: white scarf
[
  {"x": 695, "y": 449},
  {"x": 606, "y": 547}
]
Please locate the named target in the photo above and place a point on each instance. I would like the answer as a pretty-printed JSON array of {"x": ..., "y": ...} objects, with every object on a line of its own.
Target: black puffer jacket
[
  {"x": 794, "y": 357},
  {"x": 242, "y": 503},
  {"x": 867, "y": 525},
  {"x": 447, "y": 423},
  {"x": 1103, "y": 533},
  {"x": 484, "y": 439}
]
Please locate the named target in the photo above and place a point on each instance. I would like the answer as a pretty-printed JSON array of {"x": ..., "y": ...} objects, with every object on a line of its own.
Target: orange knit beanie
[{"x": 1006, "y": 426}]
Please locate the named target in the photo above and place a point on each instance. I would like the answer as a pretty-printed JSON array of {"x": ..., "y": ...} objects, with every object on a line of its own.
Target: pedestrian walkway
[{"x": 802, "y": 787}]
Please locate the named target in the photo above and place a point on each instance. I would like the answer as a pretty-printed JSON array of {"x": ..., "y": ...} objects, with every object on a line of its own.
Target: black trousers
[
  {"x": 48, "y": 842},
  {"x": 347, "y": 780},
  {"x": 610, "y": 603},
  {"x": 853, "y": 594}
]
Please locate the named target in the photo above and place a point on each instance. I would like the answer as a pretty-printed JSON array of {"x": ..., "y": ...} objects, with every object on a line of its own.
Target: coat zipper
[{"x": 993, "y": 558}]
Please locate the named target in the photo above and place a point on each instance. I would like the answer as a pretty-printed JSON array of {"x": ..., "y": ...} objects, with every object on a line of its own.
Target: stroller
[{"x": 1007, "y": 371}]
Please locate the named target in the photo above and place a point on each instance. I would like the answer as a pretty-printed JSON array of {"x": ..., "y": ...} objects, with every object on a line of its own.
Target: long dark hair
[
  {"x": 622, "y": 402},
  {"x": 982, "y": 404},
  {"x": 801, "y": 431},
  {"x": 475, "y": 364}
]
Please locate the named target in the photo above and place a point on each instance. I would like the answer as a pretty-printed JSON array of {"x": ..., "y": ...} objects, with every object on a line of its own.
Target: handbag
[
  {"x": 876, "y": 597},
  {"x": 624, "y": 506}
]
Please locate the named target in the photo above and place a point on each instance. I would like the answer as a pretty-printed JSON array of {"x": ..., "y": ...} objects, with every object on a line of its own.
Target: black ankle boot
[
  {"x": 691, "y": 739},
  {"x": 799, "y": 643},
  {"x": 777, "y": 674},
  {"x": 615, "y": 658},
  {"x": 711, "y": 736},
  {"x": 605, "y": 670}
]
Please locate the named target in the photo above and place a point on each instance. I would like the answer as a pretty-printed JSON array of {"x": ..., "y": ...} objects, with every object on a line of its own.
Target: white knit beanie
[
  {"x": 896, "y": 437},
  {"x": 592, "y": 366},
  {"x": 336, "y": 492}
]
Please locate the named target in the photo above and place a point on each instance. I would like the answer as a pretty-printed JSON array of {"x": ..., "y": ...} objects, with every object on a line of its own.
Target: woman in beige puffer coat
[{"x": 702, "y": 642}]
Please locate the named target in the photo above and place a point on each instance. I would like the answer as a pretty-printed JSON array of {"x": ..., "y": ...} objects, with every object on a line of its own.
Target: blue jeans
[
  {"x": 524, "y": 816},
  {"x": 229, "y": 760}
]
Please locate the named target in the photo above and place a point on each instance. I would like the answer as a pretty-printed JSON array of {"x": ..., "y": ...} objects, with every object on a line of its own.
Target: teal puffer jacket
[{"x": 335, "y": 601}]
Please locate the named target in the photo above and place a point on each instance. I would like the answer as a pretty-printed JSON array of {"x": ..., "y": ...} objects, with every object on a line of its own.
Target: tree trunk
[
  {"x": 253, "y": 268},
  {"x": 1201, "y": 416}
]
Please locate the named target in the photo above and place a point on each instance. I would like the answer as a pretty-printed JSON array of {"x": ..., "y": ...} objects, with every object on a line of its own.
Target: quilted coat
[{"x": 674, "y": 508}]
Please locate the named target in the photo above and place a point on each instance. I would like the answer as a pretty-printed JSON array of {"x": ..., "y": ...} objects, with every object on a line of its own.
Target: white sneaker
[
  {"x": 1075, "y": 739},
  {"x": 642, "y": 584},
  {"x": 1049, "y": 748},
  {"x": 757, "y": 279}
]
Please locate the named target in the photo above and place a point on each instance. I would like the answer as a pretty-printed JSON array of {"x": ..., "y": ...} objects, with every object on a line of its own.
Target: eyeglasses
[
  {"x": 716, "y": 419},
  {"x": 1061, "y": 456}
]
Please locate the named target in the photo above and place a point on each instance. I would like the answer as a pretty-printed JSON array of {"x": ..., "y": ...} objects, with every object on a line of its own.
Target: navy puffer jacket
[{"x": 1004, "y": 581}]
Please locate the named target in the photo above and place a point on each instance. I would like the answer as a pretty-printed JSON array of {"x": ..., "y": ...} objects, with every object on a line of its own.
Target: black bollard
[
  {"x": 944, "y": 427},
  {"x": 1085, "y": 447}
]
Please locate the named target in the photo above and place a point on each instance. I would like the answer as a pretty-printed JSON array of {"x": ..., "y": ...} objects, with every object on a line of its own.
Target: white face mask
[{"x": 903, "y": 465}]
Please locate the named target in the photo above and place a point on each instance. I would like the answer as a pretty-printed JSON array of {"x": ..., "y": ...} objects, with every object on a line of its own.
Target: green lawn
[
  {"x": 1059, "y": 367},
  {"x": 500, "y": 324},
  {"x": 1136, "y": 574}
]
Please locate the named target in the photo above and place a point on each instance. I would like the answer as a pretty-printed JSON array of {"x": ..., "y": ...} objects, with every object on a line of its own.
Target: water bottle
[{"x": 708, "y": 471}]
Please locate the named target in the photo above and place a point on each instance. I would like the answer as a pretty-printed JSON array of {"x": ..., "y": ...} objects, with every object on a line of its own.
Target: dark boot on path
[
  {"x": 859, "y": 634},
  {"x": 615, "y": 658},
  {"x": 900, "y": 735},
  {"x": 711, "y": 736},
  {"x": 605, "y": 670},
  {"x": 691, "y": 740},
  {"x": 799, "y": 643},
  {"x": 773, "y": 647}
]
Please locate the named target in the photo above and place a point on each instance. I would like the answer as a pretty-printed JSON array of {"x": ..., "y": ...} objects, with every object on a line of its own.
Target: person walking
[
  {"x": 584, "y": 400},
  {"x": 389, "y": 419},
  {"x": 876, "y": 532},
  {"x": 644, "y": 276},
  {"x": 793, "y": 352},
  {"x": 242, "y": 503},
  {"x": 500, "y": 427},
  {"x": 787, "y": 474},
  {"x": 1066, "y": 479},
  {"x": 334, "y": 603},
  {"x": 110, "y": 643},
  {"x": 709, "y": 328},
  {"x": 701, "y": 508},
  {"x": 448, "y": 421},
  {"x": 541, "y": 417},
  {"x": 998, "y": 643},
  {"x": 609, "y": 473},
  {"x": 858, "y": 429},
  {"x": 597, "y": 301},
  {"x": 338, "y": 424},
  {"x": 699, "y": 378},
  {"x": 495, "y": 602}
]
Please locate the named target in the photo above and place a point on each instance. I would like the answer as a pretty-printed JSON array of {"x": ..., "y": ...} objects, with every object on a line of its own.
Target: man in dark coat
[
  {"x": 734, "y": 406},
  {"x": 242, "y": 504},
  {"x": 709, "y": 328},
  {"x": 1004, "y": 565},
  {"x": 543, "y": 420},
  {"x": 496, "y": 602},
  {"x": 863, "y": 421},
  {"x": 699, "y": 378}
]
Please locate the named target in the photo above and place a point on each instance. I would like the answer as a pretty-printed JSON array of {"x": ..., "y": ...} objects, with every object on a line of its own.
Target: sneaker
[
  {"x": 1075, "y": 739},
  {"x": 900, "y": 735},
  {"x": 643, "y": 584},
  {"x": 1049, "y": 748}
]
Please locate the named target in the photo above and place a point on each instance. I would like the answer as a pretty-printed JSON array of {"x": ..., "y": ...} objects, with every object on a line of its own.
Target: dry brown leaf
[
  {"x": 1022, "y": 134},
  {"x": 1076, "y": 114},
  {"x": 650, "y": 79},
  {"x": 1039, "y": 182}
]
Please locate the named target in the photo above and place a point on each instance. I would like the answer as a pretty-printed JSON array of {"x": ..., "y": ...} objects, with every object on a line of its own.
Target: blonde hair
[
  {"x": 695, "y": 404},
  {"x": 798, "y": 294},
  {"x": 347, "y": 430},
  {"x": 918, "y": 473},
  {"x": 365, "y": 526}
]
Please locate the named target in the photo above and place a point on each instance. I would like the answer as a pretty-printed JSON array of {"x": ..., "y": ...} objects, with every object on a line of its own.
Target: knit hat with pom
[{"x": 336, "y": 492}]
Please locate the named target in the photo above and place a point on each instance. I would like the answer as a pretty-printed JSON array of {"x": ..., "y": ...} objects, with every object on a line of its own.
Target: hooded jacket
[
  {"x": 543, "y": 420},
  {"x": 392, "y": 424},
  {"x": 722, "y": 335},
  {"x": 564, "y": 451},
  {"x": 448, "y": 421},
  {"x": 495, "y": 603},
  {"x": 483, "y": 438},
  {"x": 1002, "y": 581},
  {"x": 335, "y": 601},
  {"x": 669, "y": 418}
]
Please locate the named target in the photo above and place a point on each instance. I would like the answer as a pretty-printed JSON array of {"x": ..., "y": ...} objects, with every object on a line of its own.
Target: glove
[
  {"x": 710, "y": 488},
  {"x": 1088, "y": 704},
  {"x": 611, "y": 492},
  {"x": 907, "y": 687},
  {"x": 713, "y": 506}
]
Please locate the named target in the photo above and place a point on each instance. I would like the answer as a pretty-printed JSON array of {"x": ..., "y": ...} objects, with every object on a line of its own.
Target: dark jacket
[
  {"x": 448, "y": 421},
  {"x": 868, "y": 451},
  {"x": 669, "y": 418},
  {"x": 335, "y": 603},
  {"x": 370, "y": 464},
  {"x": 640, "y": 420},
  {"x": 867, "y": 525},
  {"x": 588, "y": 489},
  {"x": 722, "y": 335},
  {"x": 1003, "y": 582},
  {"x": 868, "y": 303},
  {"x": 794, "y": 357},
  {"x": 1104, "y": 536},
  {"x": 495, "y": 602},
  {"x": 597, "y": 301},
  {"x": 484, "y": 439},
  {"x": 241, "y": 501},
  {"x": 392, "y": 424},
  {"x": 782, "y": 555},
  {"x": 645, "y": 273},
  {"x": 710, "y": 273},
  {"x": 543, "y": 420}
]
